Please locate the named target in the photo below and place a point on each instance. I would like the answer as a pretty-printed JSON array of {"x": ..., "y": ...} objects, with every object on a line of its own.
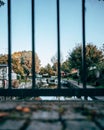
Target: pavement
[
  {"x": 51, "y": 115},
  {"x": 80, "y": 85}
]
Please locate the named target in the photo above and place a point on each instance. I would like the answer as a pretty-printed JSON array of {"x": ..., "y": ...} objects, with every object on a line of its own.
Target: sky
[{"x": 46, "y": 29}]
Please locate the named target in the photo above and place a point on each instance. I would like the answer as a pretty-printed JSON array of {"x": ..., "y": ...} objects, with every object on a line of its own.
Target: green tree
[
  {"x": 1, "y": 3},
  {"x": 75, "y": 58},
  {"x": 93, "y": 57},
  {"x": 65, "y": 66},
  {"x": 100, "y": 65}
]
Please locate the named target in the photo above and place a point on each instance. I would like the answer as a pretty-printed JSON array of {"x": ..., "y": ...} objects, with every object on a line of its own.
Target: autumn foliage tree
[
  {"x": 21, "y": 62},
  {"x": 47, "y": 70},
  {"x": 3, "y": 59}
]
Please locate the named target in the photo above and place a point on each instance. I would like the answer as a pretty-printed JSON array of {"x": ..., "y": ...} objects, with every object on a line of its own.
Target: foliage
[
  {"x": 1, "y": 3},
  {"x": 65, "y": 66},
  {"x": 43, "y": 70},
  {"x": 100, "y": 67},
  {"x": 3, "y": 59},
  {"x": 21, "y": 62},
  {"x": 17, "y": 67},
  {"x": 47, "y": 69},
  {"x": 93, "y": 56},
  {"x": 54, "y": 61}
]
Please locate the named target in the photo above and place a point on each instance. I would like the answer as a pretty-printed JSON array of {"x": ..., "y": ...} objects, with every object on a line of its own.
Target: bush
[{"x": 15, "y": 83}]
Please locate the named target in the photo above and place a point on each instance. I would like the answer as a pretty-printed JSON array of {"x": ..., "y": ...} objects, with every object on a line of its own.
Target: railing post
[
  {"x": 58, "y": 42},
  {"x": 9, "y": 43},
  {"x": 83, "y": 47},
  {"x": 33, "y": 43}
]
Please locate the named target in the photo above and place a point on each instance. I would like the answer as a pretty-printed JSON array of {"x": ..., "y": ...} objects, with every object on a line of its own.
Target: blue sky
[{"x": 45, "y": 26}]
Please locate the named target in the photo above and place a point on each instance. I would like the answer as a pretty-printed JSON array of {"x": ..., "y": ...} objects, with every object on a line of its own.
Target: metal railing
[{"x": 48, "y": 92}]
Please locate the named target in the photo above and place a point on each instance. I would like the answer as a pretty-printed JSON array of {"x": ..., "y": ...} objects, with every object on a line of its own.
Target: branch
[{"x": 1, "y": 3}]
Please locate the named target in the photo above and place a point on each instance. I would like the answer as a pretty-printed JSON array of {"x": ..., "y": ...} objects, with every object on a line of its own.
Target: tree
[
  {"x": 4, "y": 59},
  {"x": 102, "y": 48},
  {"x": 1, "y": 3},
  {"x": 93, "y": 57},
  {"x": 47, "y": 69},
  {"x": 65, "y": 66},
  {"x": 75, "y": 57},
  {"x": 54, "y": 60},
  {"x": 37, "y": 64},
  {"x": 16, "y": 66},
  {"x": 21, "y": 62},
  {"x": 100, "y": 65},
  {"x": 43, "y": 70},
  {"x": 26, "y": 59}
]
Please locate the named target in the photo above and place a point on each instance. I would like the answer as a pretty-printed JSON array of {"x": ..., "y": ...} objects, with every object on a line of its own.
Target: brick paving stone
[
  {"x": 73, "y": 116},
  {"x": 7, "y": 105},
  {"x": 90, "y": 108},
  {"x": 45, "y": 115},
  {"x": 100, "y": 122},
  {"x": 20, "y": 115},
  {"x": 12, "y": 125},
  {"x": 81, "y": 125},
  {"x": 51, "y": 107},
  {"x": 34, "y": 125},
  {"x": 102, "y": 111}
]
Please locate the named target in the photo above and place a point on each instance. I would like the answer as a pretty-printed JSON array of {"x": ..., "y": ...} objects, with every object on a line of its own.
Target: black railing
[
  {"x": 48, "y": 92},
  {"x": 9, "y": 43}
]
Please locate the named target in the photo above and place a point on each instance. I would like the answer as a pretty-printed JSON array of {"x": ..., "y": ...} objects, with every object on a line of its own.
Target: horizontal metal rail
[{"x": 52, "y": 92}]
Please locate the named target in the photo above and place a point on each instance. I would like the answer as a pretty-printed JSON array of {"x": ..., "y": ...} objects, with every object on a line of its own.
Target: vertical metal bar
[
  {"x": 83, "y": 45},
  {"x": 33, "y": 44},
  {"x": 9, "y": 42},
  {"x": 83, "y": 48},
  {"x": 58, "y": 42}
]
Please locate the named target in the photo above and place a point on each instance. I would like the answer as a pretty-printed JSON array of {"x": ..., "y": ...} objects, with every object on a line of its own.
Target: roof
[{"x": 3, "y": 65}]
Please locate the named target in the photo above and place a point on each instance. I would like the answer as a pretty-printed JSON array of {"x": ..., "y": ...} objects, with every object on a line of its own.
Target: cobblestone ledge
[{"x": 52, "y": 115}]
